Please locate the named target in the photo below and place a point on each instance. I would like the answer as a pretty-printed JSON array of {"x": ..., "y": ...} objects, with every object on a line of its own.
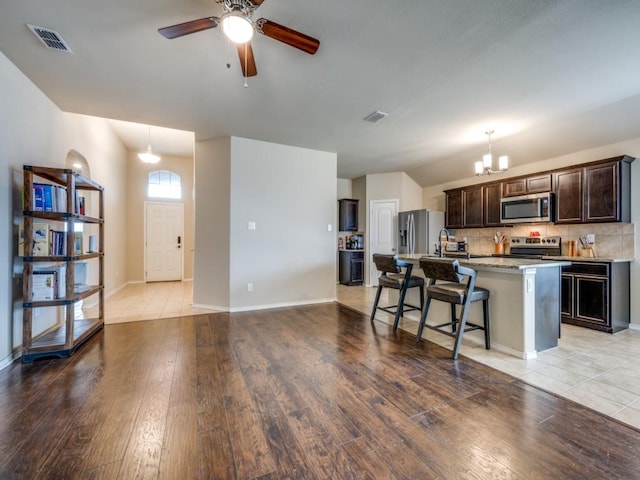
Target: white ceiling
[{"x": 550, "y": 77}]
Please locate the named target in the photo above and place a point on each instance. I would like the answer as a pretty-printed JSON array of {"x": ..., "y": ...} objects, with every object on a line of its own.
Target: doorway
[
  {"x": 383, "y": 217},
  {"x": 164, "y": 240}
]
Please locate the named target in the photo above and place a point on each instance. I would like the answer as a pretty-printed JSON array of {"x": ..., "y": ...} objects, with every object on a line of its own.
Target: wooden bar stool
[
  {"x": 455, "y": 292},
  {"x": 391, "y": 276}
]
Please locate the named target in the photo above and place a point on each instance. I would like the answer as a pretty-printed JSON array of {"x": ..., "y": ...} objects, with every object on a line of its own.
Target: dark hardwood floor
[{"x": 310, "y": 392}]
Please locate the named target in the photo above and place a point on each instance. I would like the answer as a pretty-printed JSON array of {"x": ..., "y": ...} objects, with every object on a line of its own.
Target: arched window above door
[{"x": 164, "y": 184}]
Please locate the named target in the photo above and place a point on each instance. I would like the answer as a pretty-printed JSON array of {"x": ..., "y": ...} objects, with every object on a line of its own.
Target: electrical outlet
[
  {"x": 249, "y": 287},
  {"x": 329, "y": 228},
  {"x": 591, "y": 238},
  {"x": 251, "y": 225}
]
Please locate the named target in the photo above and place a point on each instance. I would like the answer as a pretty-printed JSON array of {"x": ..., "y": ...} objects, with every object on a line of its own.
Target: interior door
[
  {"x": 383, "y": 217},
  {"x": 163, "y": 241}
]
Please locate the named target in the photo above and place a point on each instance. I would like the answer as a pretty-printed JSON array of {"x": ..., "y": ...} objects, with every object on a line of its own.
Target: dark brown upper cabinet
[
  {"x": 464, "y": 207},
  {"x": 526, "y": 185},
  {"x": 348, "y": 215},
  {"x": 598, "y": 192},
  {"x": 472, "y": 206},
  {"x": 453, "y": 209},
  {"x": 568, "y": 198},
  {"x": 491, "y": 204},
  {"x": 601, "y": 193},
  {"x": 592, "y": 192}
]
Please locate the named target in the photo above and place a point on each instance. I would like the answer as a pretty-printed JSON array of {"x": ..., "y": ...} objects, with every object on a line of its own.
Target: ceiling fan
[{"x": 238, "y": 26}]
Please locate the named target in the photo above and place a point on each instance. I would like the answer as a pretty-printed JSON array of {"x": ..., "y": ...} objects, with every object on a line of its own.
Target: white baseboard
[
  {"x": 210, "y": 307},
  {"x": 5, "y": 362},
  {"x": 281, "y": 305},
  {"x": 634, "y": 326},
  {"x": 263, "y": 307}
]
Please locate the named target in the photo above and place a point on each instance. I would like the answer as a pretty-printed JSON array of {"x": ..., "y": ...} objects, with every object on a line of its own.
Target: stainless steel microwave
[{"x": 527, "y": 208}]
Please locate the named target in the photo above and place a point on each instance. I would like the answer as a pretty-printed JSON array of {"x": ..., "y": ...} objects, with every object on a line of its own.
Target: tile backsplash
[{"x": 612, "y": 240}]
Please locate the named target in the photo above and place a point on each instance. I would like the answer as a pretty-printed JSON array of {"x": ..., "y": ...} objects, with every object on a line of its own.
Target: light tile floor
[
  {"x": 598, "y": 370},
  {"x": 148, "y": 301}
]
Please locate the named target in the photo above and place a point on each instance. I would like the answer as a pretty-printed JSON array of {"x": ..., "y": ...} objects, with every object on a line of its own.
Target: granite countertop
[{"x": 494, "y": 262}]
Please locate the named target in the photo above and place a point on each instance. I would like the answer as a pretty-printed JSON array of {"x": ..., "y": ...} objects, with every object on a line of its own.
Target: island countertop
[{"x": 492, "y": 262}]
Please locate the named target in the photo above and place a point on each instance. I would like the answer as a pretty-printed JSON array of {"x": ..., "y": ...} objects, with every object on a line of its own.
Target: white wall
[
  {"x": 345, "y": 188},
  {"x": 35, "y": 131},
  {"x": 290, "y": 194},
  {"x": 434, "y": 199}
]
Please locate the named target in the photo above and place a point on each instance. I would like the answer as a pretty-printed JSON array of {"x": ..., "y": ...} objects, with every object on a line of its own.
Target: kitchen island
[{"x": 524, "y": 305}]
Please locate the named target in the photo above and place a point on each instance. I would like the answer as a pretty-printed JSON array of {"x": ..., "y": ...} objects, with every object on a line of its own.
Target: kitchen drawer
[{"x": 587, "y": 268}]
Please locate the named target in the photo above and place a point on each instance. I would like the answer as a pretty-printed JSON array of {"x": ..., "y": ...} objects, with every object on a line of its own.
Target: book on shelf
[
  {"x": 38, "y": 199},
  {"x": 58, "y": 242},
  {"x": 49, "y": 198},
  {"x": 40, "y": 239},
  {"x": 51, "y": 282},
  {"x": 43, "y": 285},
  {"x": 77, "y": 243},
  {"x": 79, "y": 204}
]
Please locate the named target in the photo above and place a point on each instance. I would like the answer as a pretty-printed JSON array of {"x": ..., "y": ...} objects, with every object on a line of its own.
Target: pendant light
[
  {"x": 485, "y": 166},
  {"x": 149, "y": 156}
]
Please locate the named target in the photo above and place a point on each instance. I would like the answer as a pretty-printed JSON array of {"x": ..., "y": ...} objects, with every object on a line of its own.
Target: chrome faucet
[{"x": 446, "y": 233}]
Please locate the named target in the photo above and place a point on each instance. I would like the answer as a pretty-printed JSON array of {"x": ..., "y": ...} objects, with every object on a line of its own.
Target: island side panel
[{"x": 547, "y": 308}]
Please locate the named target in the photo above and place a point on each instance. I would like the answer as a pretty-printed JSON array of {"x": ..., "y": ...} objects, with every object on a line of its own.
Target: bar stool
[
  {"x": 455, "y": 292},
  {"x": 391, "y": 276}
]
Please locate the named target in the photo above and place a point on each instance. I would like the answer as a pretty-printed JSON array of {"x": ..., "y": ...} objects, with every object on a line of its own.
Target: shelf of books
[{"x": 62, "y": 304}]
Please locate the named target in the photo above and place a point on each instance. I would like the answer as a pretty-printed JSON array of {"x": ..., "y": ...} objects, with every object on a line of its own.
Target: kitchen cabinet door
[
  {"x": 348, "y": 215},
  {"x": 472, "y": 206},
  {"x": 569, "y": 197},
  {"x": 492, "y": 193},
  {"x": 539, "y": 183},
  {"x": 591, "y": 302},
  {"x": 514, "y": 187},
  {"x": 454, "y": 210},
  {"x": 351, "y": 268},
  {"x": 526, "y": 185},
  {"x": 601, "y": 193}
]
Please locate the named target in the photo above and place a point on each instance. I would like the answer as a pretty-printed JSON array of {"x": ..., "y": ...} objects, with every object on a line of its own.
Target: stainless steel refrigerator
[{"x": 418, "y": 231}]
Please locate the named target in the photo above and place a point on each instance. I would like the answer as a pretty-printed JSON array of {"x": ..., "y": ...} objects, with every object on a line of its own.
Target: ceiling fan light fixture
[{"x": 237, "y": 27}]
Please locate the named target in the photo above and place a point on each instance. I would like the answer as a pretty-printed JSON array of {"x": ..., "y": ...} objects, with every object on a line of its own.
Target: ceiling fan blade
[
  {"x": 286, "y": 35},
  {"x": 186, "y": 28},
  {"x": 247, "y": 62}
]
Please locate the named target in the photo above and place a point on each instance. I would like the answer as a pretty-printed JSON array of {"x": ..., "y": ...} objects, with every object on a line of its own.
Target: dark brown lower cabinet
[
  {"x": 351, "y": 267},
  {"x": 596, "y": 295}
]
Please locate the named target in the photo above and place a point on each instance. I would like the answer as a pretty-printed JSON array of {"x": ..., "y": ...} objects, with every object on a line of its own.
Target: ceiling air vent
[
  {"x": 375, "y": 116},
  {"x": 50, "y": 38}
]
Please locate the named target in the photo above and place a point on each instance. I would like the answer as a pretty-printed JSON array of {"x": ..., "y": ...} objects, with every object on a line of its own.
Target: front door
[
  {"x": 384, "y": 218},
  {"x": 163, "y": 241}
]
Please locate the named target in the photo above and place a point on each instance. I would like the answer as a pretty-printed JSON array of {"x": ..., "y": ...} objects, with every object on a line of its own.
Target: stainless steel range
[{"x": 533, "y": 247}]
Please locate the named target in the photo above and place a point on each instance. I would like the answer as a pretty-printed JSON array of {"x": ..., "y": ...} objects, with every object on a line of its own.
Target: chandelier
[{"x": 485, "y": 166}]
